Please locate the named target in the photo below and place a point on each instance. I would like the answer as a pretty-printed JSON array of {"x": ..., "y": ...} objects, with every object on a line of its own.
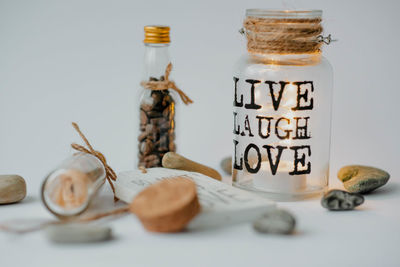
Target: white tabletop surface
[
  {"x": 368, "y": 236},
  {"x": 63, "y": 61}
]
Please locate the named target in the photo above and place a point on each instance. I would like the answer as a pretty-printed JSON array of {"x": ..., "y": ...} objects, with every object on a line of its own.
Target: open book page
[{"x": 221, "y": 204}]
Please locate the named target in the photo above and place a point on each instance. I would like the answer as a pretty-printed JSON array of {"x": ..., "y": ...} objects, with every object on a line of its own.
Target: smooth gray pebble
[
  {"x": 77, "y": 233},
  {"x": 275, "y": 222},
  {"x": 341, "y": 200}
]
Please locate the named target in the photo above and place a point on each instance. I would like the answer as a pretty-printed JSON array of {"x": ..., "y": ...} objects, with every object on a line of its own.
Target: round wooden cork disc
[{"x": 167, "y": 206}]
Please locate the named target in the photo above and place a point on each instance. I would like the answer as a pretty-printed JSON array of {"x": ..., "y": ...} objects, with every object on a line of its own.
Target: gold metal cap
[{"x": 155, "y": 34}]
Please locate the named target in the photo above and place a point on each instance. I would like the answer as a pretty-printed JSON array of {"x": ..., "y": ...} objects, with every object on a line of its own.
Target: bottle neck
[{"x": 156, "y": 60}]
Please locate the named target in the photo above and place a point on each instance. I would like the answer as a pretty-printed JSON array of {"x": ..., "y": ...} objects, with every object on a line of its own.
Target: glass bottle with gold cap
[{"x": 157, "y": 102}]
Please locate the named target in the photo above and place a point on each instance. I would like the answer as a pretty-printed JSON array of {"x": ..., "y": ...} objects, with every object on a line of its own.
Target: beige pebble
[
  {"x": 12, "y": 189},
  {"x": 362, "y": 179}
]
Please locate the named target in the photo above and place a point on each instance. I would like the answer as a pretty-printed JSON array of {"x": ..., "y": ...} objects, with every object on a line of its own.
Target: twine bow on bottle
[
  {"x": 166, "y": 84},
  {"x": 110, "y": 174}
]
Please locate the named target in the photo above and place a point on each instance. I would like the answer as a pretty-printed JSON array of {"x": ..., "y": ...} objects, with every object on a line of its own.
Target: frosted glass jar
[{"x": 282, "y": 118}]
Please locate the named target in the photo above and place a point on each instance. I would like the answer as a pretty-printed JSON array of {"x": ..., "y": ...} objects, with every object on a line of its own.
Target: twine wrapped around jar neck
[{"x": 283, "y": 36}]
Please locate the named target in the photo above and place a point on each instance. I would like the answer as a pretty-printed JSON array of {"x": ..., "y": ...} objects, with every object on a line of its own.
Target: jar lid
[
  {"x": 156, "y": 34},
  {"x": 284, "y": 14}
]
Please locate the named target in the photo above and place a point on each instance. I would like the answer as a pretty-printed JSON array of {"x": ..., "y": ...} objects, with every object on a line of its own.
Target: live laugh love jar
[{"x": 282, "y": 105}]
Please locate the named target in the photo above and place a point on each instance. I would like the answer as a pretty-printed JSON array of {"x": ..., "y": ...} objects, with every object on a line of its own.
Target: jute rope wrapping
[
  {"x": 283, "y": 36},
  {"x": 12, "y": 228},
  {"x": 165, "y": 85}
]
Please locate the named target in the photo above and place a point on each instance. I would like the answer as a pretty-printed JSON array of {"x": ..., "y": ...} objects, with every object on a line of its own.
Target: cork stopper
[
  {"x": 156, "y": 34},
  {"x": 167, "y": 206}
]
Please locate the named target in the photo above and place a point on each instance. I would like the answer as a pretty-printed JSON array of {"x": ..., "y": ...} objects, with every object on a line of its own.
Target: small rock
[
  {"x": 12, "y": 189},
  {"x": 77, "y": 233},
  {"x": 341, "y": 200},
  {"x": 362, "y": 179},
  {"x": 226, "y": 165},
  {"x": 275, "y": 222}
]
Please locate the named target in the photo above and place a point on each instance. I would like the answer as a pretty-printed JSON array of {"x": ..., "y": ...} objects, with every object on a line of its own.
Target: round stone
[
  {"x": 12, "y": 189},
  {"x": 77, "y": 233},
  {"x": 275, "y": 222},
  {"x": 362, "y": 179},
  {"x": 341, "y": 200}
]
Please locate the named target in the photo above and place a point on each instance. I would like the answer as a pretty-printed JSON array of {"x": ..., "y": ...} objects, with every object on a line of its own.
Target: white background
[{"x": 63, "y": 61}]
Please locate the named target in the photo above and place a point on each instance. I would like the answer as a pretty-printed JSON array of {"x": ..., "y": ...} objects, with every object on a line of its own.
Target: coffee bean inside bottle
[{"x": 157, "y": 127}]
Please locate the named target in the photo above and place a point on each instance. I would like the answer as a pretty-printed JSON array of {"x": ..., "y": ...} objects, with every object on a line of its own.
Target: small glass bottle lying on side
[{"x": 69, "y": 189}]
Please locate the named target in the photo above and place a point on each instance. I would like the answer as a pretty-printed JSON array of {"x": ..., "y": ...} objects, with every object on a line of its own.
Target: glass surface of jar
[
  {"x": 282, "y": 108},
  {"x": 157, "y": 107},
  {"x": 69, "y": 189}
]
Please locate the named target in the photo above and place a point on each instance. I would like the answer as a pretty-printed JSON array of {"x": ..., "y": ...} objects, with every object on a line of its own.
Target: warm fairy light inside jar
[{"x": 281, "y": 106}]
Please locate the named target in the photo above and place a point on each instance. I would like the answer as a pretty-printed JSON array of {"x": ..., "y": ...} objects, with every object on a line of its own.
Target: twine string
[
  {"x": 284, "y": 36},
  {"x": 110, "y": 174},
  {"x": 167, "y": 84},
  {"x": 97, "y": 216},
  {"x": 142, "y": 169},
  {"x": 12, "y": 228}
]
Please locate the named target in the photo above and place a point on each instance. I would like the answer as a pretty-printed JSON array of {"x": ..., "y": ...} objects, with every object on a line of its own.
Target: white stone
[{"x": 77, "y": 233}]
